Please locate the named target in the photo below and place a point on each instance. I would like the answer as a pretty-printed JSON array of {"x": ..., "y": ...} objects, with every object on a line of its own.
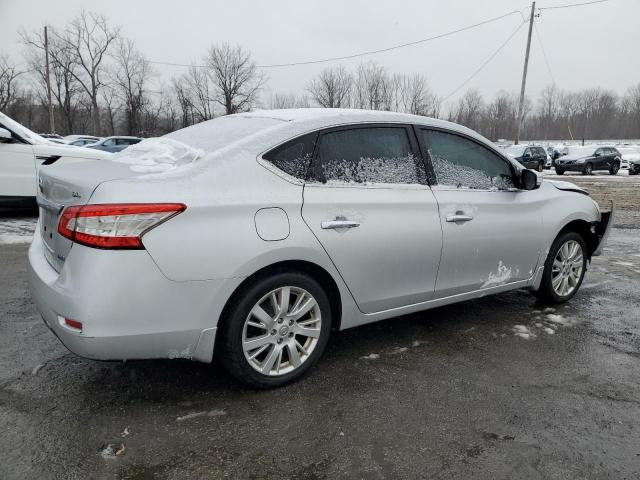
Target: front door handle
[
  {"x": 338, "y": 223},
  {"x": 458, "y": 217}
]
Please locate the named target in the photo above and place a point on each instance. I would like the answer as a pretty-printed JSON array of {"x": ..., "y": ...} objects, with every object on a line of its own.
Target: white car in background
[
  {"x": 253, "y": 236},
  {"x": 22, "y": 154},
  {"x": 629, "y": 154},
  {"x": 81, "y": 140}
]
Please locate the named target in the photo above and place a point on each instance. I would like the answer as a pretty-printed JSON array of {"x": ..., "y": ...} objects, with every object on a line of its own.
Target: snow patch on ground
[
  {"x": 560, "y": 320},
  {"x": 371, "y": 356},
  {"x": 17, "y": 230},
  {"x": 155, "y": 155},
  {"x": 523, "y": 331}
]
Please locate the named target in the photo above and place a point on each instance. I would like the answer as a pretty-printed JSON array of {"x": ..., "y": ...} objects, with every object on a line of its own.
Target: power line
[
  {"x": 484, "y": 64},
  {"x": 572, "y": 5},
  {"x": 544, "y": 53},
  {"x": 366, "y": 53}
]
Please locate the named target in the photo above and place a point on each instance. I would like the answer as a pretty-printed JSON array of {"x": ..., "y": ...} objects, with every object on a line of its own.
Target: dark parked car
[
  {"x": 115, "y": 144},
  {"x": 634, "y": 167},
  {"x": 529, "y": 156},
  {"x": 588, "y": 159}
]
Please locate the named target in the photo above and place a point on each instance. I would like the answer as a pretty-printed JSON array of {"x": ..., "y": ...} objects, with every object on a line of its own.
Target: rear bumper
[{"x": 128, "y": 309}]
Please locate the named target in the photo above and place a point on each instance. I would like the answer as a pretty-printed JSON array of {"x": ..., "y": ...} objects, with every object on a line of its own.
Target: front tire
[
  {"x": 540, "y": 167},
  {"x": 277, "y": 330},
  {"x": 588, "y": 169},
  {"x": 559, "y": 171},
  {"x": 564, "y": 269},
  {"x": 614, "y": 169}
]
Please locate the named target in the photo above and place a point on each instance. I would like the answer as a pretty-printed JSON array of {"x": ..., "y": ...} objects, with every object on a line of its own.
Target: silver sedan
[{"x": 251, "y": 237}]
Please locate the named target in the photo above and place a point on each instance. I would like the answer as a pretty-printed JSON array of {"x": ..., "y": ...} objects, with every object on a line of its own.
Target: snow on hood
[{"x": 155, "y": 155}]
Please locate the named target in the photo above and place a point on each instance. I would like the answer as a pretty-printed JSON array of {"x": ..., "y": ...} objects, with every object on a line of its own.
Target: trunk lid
[{"x": 60, "y": 186}]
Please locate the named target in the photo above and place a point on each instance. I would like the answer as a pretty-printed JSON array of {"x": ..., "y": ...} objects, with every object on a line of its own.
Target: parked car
[
  {"x": 634, "y": 166},
  {"x": 587, "y": 159},
  {"x": 114, "y": 144},
  {"x": 268, "y": 230},
  {"x": 528, "y": 155},
  {"x": 22, "y": 154},
  {"x": 628, "y": 154},
  {"x": 81, "y": 140},
  {"x": 53, "y": 137}
]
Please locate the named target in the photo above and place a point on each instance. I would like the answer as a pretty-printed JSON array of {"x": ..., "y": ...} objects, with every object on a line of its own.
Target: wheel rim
[
  {"x": 567, "y": 268},
  {"x": 281, "y": 331}
]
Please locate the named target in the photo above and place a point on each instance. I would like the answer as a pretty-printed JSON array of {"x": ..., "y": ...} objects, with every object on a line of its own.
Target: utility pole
[
  {"x": 52, "y": 126},
  {"x": 524, "y": 75}
]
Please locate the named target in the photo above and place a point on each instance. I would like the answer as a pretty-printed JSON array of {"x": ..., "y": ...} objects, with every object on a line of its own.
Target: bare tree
[
  {"x": 235, "y": 77},
  {"x": 469, "y": 109},
  {"x": 417, "y": 97},
  {"x": 332, "y": 88},
  {"x": 200, "y": 93},
  {"x": 372, "y": 87},
  {"x": 131, "y": 74},
  {"x": 88, "y": 39},
  {"x": 8, "y": 89},
  {"x": 65, "y": 89},
  {"x": 183, "y": 100}
]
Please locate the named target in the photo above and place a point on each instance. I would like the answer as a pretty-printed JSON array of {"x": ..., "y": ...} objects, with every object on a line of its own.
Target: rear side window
[
  {"x": 294, "y": 156},
  {"x": 368, "y": 155},
  {"x": 460, "y": 162}
]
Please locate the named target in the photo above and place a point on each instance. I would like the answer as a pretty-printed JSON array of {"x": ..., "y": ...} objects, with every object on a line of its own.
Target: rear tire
[
  {"x": 562, "y": 279},
  {"x": 559, "y": 171},
  {"x": 588, "y": 169},
  {"x": 276, "y": 329}
]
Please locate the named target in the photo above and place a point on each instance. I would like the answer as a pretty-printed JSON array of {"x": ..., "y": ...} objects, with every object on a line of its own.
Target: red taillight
[
  {"x": 73, "y": 323},
  {"x": 114, "y": 226}
]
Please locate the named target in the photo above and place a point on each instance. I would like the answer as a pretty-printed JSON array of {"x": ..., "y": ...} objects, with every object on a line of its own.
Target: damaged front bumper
[{"x": 602, "y": 229}]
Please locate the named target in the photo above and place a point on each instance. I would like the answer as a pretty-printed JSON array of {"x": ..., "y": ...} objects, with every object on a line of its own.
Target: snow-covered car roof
[
  {"x": 222, "y": 132},
  {"x": 246, "y": 135}
]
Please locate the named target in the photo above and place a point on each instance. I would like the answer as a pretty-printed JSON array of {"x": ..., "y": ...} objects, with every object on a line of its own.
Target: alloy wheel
[
  {"x": 567, "y": 268},
  {"x": 281, "y": 331}
]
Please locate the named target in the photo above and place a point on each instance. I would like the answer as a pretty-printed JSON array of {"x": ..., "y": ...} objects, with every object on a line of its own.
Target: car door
[
  {"x": 600, "y": 159},
  {"x": 492, "y": 231},
  {"x": 17, "y": 169},
  {"x": 368, "y": 203}
]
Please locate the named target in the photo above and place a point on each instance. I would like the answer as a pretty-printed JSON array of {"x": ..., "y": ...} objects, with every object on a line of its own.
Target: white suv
[{"x": 23, "y": 153}]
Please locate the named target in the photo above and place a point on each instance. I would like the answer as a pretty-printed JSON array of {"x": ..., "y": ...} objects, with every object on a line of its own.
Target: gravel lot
[{"x": 499, "y": 387}]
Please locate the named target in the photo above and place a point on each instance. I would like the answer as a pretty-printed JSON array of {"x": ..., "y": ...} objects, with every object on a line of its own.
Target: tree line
[{"x": 102, "y": 84}]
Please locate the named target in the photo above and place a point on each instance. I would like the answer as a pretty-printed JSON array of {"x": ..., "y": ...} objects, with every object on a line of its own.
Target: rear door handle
[
  {"x": 459, "y": 218},
  {"x": 333, "y": 224}
]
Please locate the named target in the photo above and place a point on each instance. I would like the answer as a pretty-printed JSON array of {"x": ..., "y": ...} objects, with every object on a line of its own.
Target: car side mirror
[
  {"x": 5, "y": 135},
  {"x": 527, "y": 155},
  {"x": 598, "y": 154},
  {"x": 530, "y": 180}
]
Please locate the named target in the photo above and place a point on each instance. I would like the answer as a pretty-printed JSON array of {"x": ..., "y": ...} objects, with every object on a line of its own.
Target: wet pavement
[{"x": 499, "y": 387}]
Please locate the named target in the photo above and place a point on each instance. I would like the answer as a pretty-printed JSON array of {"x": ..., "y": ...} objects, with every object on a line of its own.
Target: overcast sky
[{"x": 589, "y": 46}]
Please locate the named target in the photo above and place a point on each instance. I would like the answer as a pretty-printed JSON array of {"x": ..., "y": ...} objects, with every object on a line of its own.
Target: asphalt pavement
[{"x": 499, "y": 387}]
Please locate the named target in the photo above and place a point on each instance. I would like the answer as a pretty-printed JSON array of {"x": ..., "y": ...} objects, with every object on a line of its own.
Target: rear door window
[
  {"x": 463, "y": 163},
  {"x": 294, "y": 156},
  {"x": 376, "y": 154}
]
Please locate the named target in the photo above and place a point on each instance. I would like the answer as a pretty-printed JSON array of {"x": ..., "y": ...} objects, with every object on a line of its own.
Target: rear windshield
[{"x": 222, "y": 131}]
